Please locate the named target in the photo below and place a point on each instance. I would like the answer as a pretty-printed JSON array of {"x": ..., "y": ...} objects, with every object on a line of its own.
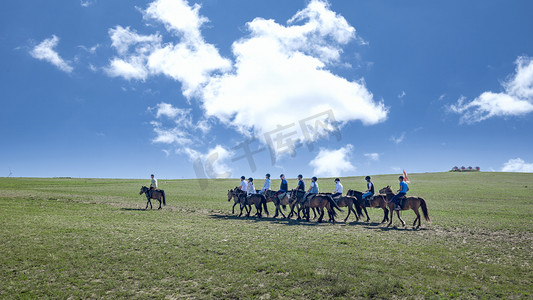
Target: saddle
[
  {"x": 281, "y": 196},
  {"x": 368, "y": 200}
]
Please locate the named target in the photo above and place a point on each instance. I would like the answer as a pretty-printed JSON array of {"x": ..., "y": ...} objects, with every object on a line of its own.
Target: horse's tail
[
  {"x": 264, "y": 202},
  {"x": 333, "y": 205},
  {"x": 164, "y": 200},
  {"x": 424, "y": 209},
  {"x": 358, "y": 208}
]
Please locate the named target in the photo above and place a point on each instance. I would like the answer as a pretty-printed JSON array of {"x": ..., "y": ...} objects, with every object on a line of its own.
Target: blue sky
[{"x": 122, "y": 89}]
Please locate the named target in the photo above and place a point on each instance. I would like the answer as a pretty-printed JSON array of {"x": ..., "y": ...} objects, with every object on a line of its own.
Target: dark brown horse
[
  {"x": 319, "y": 201},
  {"x": 257, "y": 200},
  {"x": 413, "y": 203},
  {"x": 379, "y": 201},
  {"x": 237, "y": 200},
  {"x": 156, "y": 194},
  {"x": 296, "y": 201},
  {"x": 285, "y": 200},
  {"x": 349, "y": 201}
]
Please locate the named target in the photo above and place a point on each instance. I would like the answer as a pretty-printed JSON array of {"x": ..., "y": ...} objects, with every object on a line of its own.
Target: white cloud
[
  {"x": 212, "y": 164},
  {"x": 45, "y": 51},
  {"x": 401, "y": 95},
  {"x": 372, "y": 156},
  {"x": 190, "y": 61},
  {"x": 517, "y": 165},
  {"x": 280, "y": 76},
  {"x": 87, "y": 3},
  {"x": 516, "y": 100},
  {"x": 398, "y": 139},
  {"x": 331, "y": 163}
]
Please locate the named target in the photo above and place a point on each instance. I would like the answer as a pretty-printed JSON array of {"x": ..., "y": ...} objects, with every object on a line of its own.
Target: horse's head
[
  {"x": 143, "y": 190},
  {"x": 386, "y": 190},
  {"x": 293, "y": 194},
  {"x": 230, "y": 194}
]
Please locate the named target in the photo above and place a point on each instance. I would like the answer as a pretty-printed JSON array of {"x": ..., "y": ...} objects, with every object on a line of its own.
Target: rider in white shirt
[
  {"x": 266, "y": 186},
  {"x": 338, "y": 188}
]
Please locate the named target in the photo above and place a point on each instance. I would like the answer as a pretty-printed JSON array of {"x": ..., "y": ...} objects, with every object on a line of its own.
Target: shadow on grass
[
  {"x": 283, "y": 221},
  {"x": 294, "y": 222},
  {"x": 137, "y": 209}
]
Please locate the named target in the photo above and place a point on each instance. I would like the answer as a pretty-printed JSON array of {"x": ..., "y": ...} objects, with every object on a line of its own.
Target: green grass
[{"x": 90, "y": 238}]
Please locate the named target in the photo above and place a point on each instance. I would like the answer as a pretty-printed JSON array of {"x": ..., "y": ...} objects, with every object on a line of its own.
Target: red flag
[{"x": 405, "y": 178}]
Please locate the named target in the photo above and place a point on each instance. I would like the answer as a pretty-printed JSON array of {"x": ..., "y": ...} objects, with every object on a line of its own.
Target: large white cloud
[
  {"x": 189, "y": 61},
  {"x": 332, "y": 163},
  {"x": 516, "y": 100},
  {"x": 517, "y": 165},
  {"x": 280, "y": 76},
  {"x": 45, "y": 51}
]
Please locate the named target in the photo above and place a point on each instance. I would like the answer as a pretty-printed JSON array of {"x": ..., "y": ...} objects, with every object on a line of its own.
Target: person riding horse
[
  {"x": 338, "y": 189},
  {"x": 284, "y": 186},
  {"x": 301, "y": 183},
  {"x": 401, "y": 193},
  {"x": 369, "y": 193},
  {"x": 266, "y": 185},
  {"x": 313, "y": 190},
  {"x": 153, "y": 185}
]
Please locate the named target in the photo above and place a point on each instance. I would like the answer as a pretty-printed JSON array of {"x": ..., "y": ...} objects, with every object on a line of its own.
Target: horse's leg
[
  {"x": 314, "y": 213},
  {"x": 417, "y": 217},
  {"x": 159, "y": 204},
  {"x": 398, "y": 213},
  {"x": 391, "y": 209},
  {"x": 240, "y": 206},
  {"x": 321, "y": 215},
  {"x": 233, "y": 208},
  {"x": 307, "y": 213},
  {"x": 277, "y": 209},
  {"x": 385, "y": 214},
  {"x": 349, "y": 211},
  {"x": 366, "y": 212},
  {"x": 147, "y": 201}
]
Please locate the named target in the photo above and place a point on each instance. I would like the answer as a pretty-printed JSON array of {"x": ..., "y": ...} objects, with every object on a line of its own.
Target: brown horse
[
  {"x": 407, "y": 203},
  {"x": 319, "y": 201},
  {"x": 254, "y": 199},
  {"x": 237, "y": 200},
  {"x": 348, "y": 201},
  {"x": 285, "y": 200},
  {"x": 296, "y": 200},
  {"x": 156, "y": 194},
  {"x": 379, "y": 201}
]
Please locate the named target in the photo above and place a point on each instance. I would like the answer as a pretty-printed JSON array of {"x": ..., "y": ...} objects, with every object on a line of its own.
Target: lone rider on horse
[{"x": 153, "y": 185}]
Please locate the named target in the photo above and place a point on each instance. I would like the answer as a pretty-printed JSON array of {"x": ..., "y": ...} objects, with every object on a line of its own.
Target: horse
[
  {"x": 349, "y": 201},
  {"x": 408, "y": 203},
  {"x": 244, "y": 200},
  {"x": 156, "y": 194},
  {"x": 296, "y": 199},
  {"x": 236, "y": 199},
  {"x": 271, "y": 196},
  {"x": 320, "y": 201},
  {"x": 378, "y": 201}
]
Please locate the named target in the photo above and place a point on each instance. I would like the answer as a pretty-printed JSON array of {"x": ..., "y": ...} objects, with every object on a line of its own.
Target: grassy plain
[{"x": 91, "y": 238}]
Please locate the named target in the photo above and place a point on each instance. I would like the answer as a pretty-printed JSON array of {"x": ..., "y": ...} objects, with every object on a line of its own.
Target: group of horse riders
[{"x": 313, "y": 190}]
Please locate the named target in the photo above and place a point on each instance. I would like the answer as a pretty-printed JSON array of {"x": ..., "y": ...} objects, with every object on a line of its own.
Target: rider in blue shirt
[
  {"x": 401, "y": 192},
  {"x": 301, "y": 183},
  {"x": 284, "y": 186}
]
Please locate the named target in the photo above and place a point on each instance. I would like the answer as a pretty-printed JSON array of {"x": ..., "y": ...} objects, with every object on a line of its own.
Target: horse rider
[
  {"x": 153, "y": 185},
  {"x": 338, "y": 188},
  {"x": 266, "y": 185},
  {"x": 401, "y": 192},
  {"x": 251, "y": 189},
  {"x": 284, "y": 186},
  {"x": 369, "y": 189},
  {"x": 313, "y": 189},
  {"x": 301, "y": 183},
  {"x": 244, "y": 186}
]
